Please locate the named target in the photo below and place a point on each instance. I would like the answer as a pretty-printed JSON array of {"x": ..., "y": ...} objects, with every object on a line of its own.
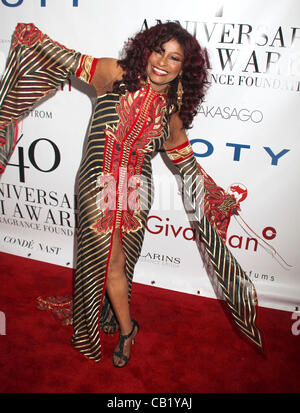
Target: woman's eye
[
  {"x": 158, "y": 51},
  {"x": 176, "y": 58}
]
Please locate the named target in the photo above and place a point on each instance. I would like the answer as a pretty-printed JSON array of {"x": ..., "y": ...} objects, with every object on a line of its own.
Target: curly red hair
[{"x": 194, "y": 70}]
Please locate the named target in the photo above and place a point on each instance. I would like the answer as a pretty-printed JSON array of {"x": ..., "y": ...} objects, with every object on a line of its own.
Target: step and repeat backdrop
[{"x": 246, "y": 136}]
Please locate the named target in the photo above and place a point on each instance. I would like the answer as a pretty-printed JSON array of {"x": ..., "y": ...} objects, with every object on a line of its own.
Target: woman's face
[{"x": 164, "y": 65}]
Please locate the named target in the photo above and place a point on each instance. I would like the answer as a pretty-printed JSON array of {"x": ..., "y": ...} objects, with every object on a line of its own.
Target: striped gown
[
  {"x": 115, "y": 185},
  {"x": 115, "y": 195}
]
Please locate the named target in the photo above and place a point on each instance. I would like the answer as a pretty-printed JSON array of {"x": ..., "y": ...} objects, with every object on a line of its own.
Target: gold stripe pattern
[
  {"x": 177, "y": 154},
  {"x": 36, "y": 66},
  {"x": 93, "y": 246},
  {"x": 85, "y": 75},
  {"x": 237, "y": 288}
]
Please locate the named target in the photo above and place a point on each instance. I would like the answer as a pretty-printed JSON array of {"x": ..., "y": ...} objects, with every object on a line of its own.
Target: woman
[{"x": 145, "y": 102}]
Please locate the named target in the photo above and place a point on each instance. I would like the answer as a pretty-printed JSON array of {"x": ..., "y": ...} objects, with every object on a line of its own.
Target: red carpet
[{"x": 186, "y": 343}]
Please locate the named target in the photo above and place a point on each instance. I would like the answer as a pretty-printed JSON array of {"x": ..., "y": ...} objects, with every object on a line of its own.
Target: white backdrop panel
[{"x": 245, "y": 133}]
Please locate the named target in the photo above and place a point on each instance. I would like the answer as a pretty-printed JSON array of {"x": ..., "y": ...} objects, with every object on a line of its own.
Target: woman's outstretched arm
[
  {"x": 37, "y": 66},
  {"x": 210, "y": 208},
  {"x": 217, "y": 204}
]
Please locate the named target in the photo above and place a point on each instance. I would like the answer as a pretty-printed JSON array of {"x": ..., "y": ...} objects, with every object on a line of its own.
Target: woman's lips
[{"x": 159, "y": 72}]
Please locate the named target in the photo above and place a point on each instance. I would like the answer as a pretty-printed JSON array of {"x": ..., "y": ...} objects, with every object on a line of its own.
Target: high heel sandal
[{"x": 120, "y": 352}]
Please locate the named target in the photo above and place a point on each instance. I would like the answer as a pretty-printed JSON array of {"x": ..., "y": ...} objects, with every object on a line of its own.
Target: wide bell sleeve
[
  {"x": 210, "y": 209},
  {"x": 36, "y": 66}
]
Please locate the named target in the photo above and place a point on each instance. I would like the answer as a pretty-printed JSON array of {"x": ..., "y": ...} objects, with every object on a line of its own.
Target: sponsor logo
[
  {"x": 41, "y": 114},
  {"x": 42, "y": 3},
  {"x": 296, "y": 324},
  {"x": 256, "y": 276},
  {"x": 203, "y": 148},
  {"x": 239, "y": 191},
  {"x": 160, "y": 259},
  {"x": 251, "y": 243},
  {"x": 164, "y": 227},
  {"x": 2, "y": 324},
  {"x": 228, "y": 113},
  {"x": 31, "y": 245},
  {"x": 156, "y": 225}
]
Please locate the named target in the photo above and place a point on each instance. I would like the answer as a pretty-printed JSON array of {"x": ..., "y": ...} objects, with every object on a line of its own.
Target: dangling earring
[{"x": 180, "y": 92}]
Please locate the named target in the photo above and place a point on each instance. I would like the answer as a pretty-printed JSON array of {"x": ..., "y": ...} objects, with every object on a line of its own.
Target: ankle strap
[{"x": 135, "y": 324}]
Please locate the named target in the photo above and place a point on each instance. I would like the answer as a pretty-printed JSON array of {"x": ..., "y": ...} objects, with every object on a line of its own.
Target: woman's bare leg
[
  {"x": 117, "y": 289},
  {"x": 117, "y": 285}
]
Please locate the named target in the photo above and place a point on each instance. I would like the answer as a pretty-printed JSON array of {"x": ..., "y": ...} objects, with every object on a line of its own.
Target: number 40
[{"x": 32, "y": 158}]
